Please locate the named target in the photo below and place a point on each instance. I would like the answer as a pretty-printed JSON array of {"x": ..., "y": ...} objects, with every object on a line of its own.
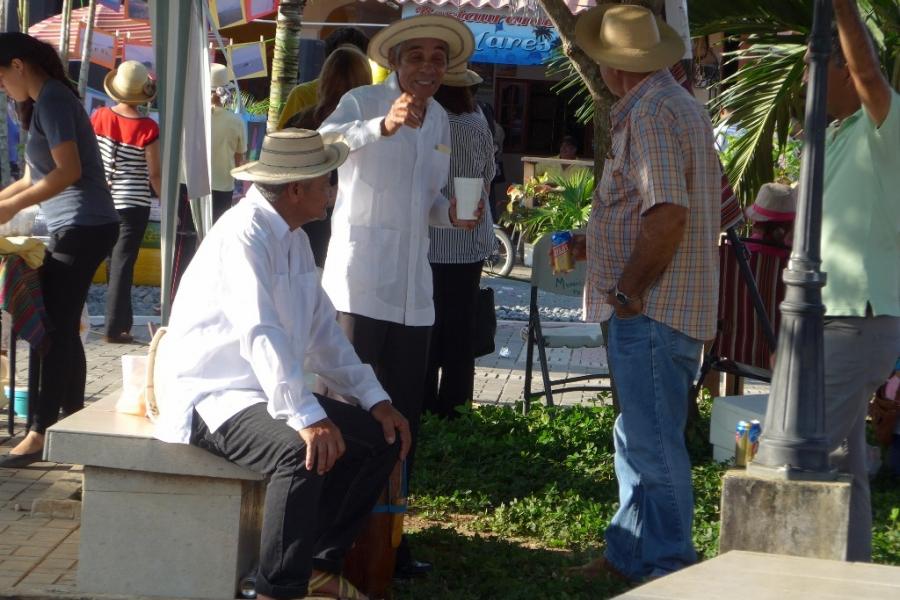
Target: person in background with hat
[
  {"x": 129, "y": 145},
  {"x": 64, "y": 174},
  {"x": 456, "y": 256},
  {"x": 249, "y": 323},
  {"x": 228, "y": 139},
  {"x": 377, "y": 271},
  {"x": 772, "y": 215},
  {"x": 652, "y": 272}
]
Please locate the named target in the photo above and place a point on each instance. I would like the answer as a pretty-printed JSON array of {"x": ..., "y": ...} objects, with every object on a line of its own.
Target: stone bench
[{"x": 157, "y": 519}]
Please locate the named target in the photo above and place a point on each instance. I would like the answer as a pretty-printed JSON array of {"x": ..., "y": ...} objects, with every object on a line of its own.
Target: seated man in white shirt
[{"x": 250, "y": 321}]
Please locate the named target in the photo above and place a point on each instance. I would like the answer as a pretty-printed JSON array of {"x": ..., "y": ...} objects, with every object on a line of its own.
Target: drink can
[
  {"x": 741, "y": 443},
  {"x": 561, "y": 252},
  {"x": 753, "y": 439}
]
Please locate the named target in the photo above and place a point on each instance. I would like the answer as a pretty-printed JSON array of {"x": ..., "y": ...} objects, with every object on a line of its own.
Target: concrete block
[
  {"x": 149, "y": 534},
  {"x": 799, "y": 518}
]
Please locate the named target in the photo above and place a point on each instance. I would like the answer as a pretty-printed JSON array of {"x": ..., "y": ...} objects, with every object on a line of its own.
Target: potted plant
[{"x": 548, "y": 203}]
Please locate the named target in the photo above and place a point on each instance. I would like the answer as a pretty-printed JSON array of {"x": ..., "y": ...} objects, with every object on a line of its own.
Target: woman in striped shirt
[
  {"x": 456, "y": 255},
  {"x": 129, "y": 146}
]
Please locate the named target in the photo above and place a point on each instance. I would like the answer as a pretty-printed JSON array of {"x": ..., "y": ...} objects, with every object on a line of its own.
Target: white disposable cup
[{"x": 468, "y": 193}]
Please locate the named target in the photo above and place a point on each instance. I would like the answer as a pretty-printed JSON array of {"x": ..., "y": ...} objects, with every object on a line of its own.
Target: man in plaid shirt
[{"x": 652, "y": 270}]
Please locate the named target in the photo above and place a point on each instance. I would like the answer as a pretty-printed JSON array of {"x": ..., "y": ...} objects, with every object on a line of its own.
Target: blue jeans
[{"x": 653, "y": 365}]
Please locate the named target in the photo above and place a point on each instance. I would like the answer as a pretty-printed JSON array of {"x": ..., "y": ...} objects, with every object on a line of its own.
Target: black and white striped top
[
  {"x": 123, "y": 141},
  {"x": 472, "y": 156}
]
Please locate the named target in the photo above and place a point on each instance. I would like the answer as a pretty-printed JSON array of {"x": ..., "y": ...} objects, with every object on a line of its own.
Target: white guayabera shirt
[
  {"x": 249, "y": 321},
  {"x": 389, "y": 193}
]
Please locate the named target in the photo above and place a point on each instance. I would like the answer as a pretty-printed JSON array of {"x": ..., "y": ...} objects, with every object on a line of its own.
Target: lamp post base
[{"x": 784, "y": 516}]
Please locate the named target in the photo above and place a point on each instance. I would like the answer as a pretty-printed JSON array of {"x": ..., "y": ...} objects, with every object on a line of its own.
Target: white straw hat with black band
[
  {"x": 458, "y": 37},
  {"x": 293, "y": 155}
]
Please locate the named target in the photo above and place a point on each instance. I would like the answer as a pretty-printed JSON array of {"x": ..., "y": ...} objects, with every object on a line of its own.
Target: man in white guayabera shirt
[
  {"x": 377, "y": 271},
  {"x": 249, "y": 322}
]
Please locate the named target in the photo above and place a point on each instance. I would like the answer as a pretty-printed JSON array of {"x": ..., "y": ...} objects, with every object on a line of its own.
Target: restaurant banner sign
[{"x": 501, "y": 36}]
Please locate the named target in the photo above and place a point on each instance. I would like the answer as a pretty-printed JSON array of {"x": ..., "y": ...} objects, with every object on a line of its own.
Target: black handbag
[{"x": 485, "y": 323}]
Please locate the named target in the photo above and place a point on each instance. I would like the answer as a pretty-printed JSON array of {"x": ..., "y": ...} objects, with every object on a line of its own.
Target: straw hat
[
  {"x": 461, "y": 77},
  {"x": 218, "y": 76},
  {"x": 293, "y": 154},
  {"x": 459, "y": 39},
  {"x": 774, "y": 202},
  {"x": 628, "y": 38},
  {"x": 130, "y": 83}
]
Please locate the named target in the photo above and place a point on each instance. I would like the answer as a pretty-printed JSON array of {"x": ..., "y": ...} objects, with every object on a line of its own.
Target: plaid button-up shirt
[{"x": 662, "y": 152}]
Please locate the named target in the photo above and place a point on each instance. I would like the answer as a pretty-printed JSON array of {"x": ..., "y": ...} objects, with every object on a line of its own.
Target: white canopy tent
[{"x": 182, "y": 60}]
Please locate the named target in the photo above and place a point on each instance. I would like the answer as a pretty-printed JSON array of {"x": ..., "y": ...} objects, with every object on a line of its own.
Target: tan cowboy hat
[
  {"x": 774, "y": 202},
  {"x": 461, "y": 77},
  {"x": 628, "y": 38},
  {"x": 218, "y": 76},
  {"x": 130, "y": 83},
  {"x": 294, "y": 154},
  {"x": 457, "y": 36}
]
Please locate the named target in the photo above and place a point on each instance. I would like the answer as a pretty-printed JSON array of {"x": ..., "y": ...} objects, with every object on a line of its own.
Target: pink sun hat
[{"x": 774, "y": 202}]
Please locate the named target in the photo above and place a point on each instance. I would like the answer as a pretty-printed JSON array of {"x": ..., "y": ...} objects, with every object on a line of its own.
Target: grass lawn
[{"x": 502, "y": 503}]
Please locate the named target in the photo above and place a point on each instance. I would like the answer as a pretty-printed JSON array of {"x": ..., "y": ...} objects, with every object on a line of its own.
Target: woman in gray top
[{"x": 64, "y": 174}]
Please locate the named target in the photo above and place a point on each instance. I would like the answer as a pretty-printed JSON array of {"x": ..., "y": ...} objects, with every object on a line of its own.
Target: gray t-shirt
[{"x": 59, "y": 117}]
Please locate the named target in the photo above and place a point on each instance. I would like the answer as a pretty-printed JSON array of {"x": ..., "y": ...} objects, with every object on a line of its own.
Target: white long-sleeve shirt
[
  {"x": 249, "y": 322},
  {"x": 390, "y": 191}
]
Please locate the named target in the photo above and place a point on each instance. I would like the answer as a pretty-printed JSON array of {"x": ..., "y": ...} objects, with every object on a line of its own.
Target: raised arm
[{"x": 862, "y": 61}]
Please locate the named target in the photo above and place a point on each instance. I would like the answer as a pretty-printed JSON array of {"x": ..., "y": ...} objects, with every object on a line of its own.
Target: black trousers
[
  {"x": 399, "y": 355},
  {"x": 132, "y": 225},
  {"x": 72, "y": 258},
  {"x": 451, "y": 362},
  {"x": 309, "y": 520}
]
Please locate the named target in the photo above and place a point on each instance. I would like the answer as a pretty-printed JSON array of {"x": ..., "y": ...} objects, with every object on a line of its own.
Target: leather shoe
[
  {"x": 18, "y": 461},
  {"x": 122, "y": 338},
  {"x": 412, "y": 568}
]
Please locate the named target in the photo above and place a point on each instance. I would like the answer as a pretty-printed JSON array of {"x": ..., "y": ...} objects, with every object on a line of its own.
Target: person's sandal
[{"x": 346, "y": 590}]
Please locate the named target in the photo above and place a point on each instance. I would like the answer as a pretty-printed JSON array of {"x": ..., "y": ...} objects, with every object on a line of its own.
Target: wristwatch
[{"x": 621, "y": 297}]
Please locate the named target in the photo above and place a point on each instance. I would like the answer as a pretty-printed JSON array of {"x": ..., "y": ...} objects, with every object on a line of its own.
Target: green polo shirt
[{"x": 861, "y": 215}]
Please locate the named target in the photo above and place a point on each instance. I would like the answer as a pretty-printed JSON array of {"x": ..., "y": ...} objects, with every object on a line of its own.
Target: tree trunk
[
  {"x": 65, "y": 26},
  {"x": 564, "y": 21},
  {"x": 286, "y": 61},
  {"x": 86, "y": 50}
]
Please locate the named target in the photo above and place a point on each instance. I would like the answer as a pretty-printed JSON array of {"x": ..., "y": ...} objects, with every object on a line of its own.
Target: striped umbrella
[{"x": 107, "y": 20}]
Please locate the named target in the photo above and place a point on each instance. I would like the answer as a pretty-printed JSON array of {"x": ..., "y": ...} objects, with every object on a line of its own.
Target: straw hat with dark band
[
  {"x": 629, "y": 38},
  {"x": 130, "y": 83},
  {"x": 461, "y": 77},
  {"x": 292, "y": 155},
  {"x": 459, "y": 40}
]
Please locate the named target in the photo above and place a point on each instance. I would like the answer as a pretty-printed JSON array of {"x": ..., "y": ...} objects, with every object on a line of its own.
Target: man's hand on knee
[
  {"x": 324, "y": 445},
  {"x": 392, "y": 421}
]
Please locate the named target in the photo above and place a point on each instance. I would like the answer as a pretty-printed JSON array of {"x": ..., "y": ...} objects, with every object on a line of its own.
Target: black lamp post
[{"x": 793, "y": 445}]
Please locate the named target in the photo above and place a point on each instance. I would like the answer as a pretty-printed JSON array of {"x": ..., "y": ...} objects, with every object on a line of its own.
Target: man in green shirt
[{"x": 860, "y": 253}]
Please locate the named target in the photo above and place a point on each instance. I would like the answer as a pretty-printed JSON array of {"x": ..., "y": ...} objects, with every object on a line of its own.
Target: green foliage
[
  {"x": 562, "y": 202},
  {"x": 560, "y": 66},
  {"x": 766, "y": 94},
  {"x": 537, "y": 491},
  {"x": 253, "y": 106}
]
